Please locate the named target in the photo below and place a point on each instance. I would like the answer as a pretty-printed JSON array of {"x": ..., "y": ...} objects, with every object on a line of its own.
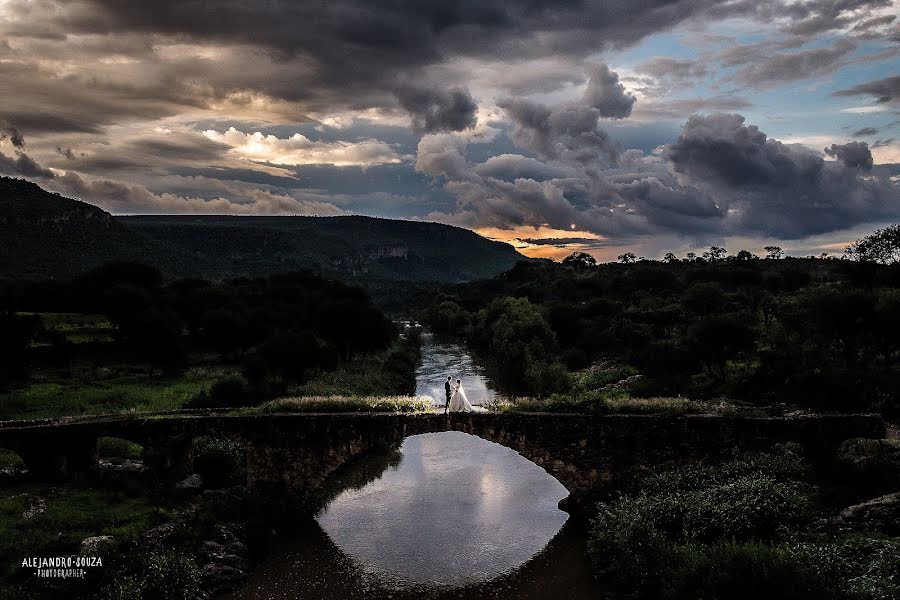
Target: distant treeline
[
  {"x": 281, "y": 327},
  {"x": 821, "y": 333}
]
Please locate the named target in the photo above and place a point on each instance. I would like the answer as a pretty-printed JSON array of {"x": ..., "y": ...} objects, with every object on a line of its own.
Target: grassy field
[
  {"x": 110, "y": 391},
  {"x": 345, "y": 404},
  {"x": 41, "y": 521},
  {"x": 78, "y": 328}
]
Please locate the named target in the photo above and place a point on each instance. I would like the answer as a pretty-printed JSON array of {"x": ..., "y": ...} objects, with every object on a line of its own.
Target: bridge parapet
[{"x": 293, "y": 454}]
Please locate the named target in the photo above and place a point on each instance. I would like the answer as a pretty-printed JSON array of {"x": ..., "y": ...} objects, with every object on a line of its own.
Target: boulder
[
  {"x": 194, "y": 482},
  {"x": 880, "y": 514},
  {"x": 97, "y": 545}
]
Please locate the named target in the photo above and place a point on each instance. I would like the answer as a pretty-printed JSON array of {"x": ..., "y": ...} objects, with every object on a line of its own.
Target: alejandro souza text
[{"x": 61, "y": 567}]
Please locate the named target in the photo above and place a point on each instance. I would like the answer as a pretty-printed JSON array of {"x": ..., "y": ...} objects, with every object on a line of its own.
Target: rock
[
  {"x": 96, "y": 546},
  {"x": 874, "y": 464},
  {"x": 219, "y": 578},
  {"x": 194, "y": 482},
  {"x": 162, "y": 535},
  {"x": 36, "y": 506},
  {"x": 880, "y": 514}
]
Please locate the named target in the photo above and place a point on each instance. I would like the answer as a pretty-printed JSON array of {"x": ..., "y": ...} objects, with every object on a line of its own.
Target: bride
[{"x": 459, "y": 402}]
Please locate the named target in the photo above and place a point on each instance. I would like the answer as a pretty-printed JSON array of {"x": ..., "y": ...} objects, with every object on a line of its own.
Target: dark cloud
[
  {"x": 606, "y": 94},
  {"x": 515, "y": 166},
  {"x": 790, "y": 66},
  {"x": 779, "y": 189},
  {"x": 433, "y": 109},
  {"x": 23, "y": 165},
  {"x": 721, "y": 177},
  {"x": 852, "y": 154},
  {"x": 673, "y": 68},
  {"x": 571, "y": 132},
  {"x": 865, "y": 131},
  {"x": 66, "y": 153},
  {"x": 883, "y": 90},
  {"x": 12, "y": 134}
]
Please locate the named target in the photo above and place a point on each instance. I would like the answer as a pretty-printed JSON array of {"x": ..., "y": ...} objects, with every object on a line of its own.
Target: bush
[
  {"x": 118, "y": 449},
  {"x": 229, "y": 392},
  {"x": 696, "y": 531},
  {"x": 865, "y": 568},
  {"x": 219, "y": 461},
  {"x": 157, "y": 575}
]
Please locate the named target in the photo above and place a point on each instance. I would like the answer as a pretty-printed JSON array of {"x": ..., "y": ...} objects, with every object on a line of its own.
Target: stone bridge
[{"x": 293, "y": 454}]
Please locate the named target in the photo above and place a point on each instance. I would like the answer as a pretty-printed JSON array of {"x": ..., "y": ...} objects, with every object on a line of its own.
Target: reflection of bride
[{"x": 459, "y": 402}]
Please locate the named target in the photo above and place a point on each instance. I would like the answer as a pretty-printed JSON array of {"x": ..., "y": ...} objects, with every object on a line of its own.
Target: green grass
[
  {"x": 78, "y": 328},
  {"x": 117, "y": 449},
  {"x": 109, "y": 392},
  {"x": 68, "y": 516},
  {"x": 619, "y": 402},
  {"x": 345, "y": 404},
  {"x": 742, "y": 529},
  {"x": 9, "y": 459},
  {"x": 387, "y": 373}
]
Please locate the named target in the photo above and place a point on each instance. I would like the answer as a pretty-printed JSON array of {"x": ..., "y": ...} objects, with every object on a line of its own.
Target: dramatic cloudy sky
[{"x": 607, "y": 125}]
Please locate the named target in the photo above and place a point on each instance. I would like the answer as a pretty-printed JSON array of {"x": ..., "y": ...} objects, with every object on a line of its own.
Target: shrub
[
  {"x": 157, "y": 575},
  {"x": 229, "y": 392},
  {"x": 698, "y": 531},
  {"x": 863, "y": 567},
  {"x": 118, "y": 449},
  {"x": 219, "y": 461}
]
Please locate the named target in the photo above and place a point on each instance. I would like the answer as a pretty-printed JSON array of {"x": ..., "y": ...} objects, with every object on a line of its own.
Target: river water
[
  {"x": 447, "y": 515},
  {"x": 441, "y": 359}
]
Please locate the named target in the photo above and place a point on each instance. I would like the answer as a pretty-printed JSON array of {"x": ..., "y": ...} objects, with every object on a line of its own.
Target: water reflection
[
  {"x": 456, "y": 517},
  {"x": 457, "y": 509},
  {"x": 440, "y": 359}
]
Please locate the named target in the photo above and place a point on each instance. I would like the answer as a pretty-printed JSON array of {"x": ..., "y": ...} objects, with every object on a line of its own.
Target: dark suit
[{"x": 448, "y": 391}]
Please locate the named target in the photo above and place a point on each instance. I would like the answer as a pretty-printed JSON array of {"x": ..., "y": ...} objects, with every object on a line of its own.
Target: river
[{"x": 448, "y": 515}]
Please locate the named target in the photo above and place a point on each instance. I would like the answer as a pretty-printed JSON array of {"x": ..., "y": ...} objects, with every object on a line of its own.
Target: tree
[
  {"x": 17, "y": 333},
  {"x": 691, "y": 257},
  {"x": 774, "y": 252},
  {"x": 714, "y": 253},
  {"x": 225, "y": 331},
  {"x": 627, "y": 258},
  {"x": 882, "y": 246},
  {"x": 745, "y": 255},
  {"x": 670, "y": 257},
  {"x": 580, "y": 259},
  {"x": 721, "y": 337},
  {"x": 292, "y": 356}
]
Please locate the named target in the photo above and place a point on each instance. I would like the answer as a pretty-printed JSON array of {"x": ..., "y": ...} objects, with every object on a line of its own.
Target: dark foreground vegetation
[
  {"x": 751, "y": 527},
  {"x": 816, "y": 332},
  {"x": 119, "y": 338}
]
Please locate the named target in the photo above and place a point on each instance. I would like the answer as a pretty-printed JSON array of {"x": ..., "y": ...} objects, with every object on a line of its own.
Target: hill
[{"x": 47, "y": 235}]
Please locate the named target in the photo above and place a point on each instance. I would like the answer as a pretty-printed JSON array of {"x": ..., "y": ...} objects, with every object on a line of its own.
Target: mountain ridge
[{"x": 52, "y": 236}]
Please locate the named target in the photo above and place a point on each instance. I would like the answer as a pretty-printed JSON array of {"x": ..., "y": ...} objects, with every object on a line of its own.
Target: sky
[{"x": 607, "y": 126}]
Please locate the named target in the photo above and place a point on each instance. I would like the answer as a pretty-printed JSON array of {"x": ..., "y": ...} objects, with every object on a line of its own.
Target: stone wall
[{"x": 293, "y": 454}]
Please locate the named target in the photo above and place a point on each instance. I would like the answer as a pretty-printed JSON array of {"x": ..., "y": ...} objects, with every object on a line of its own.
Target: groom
[{"x": 447, "y": 390}]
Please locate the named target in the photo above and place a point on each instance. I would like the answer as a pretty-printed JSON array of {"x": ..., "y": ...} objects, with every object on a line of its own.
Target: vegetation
[
  {"x": 36, "y": 521},
  {"x": 118, "y": 339},
  {"x": 346, "y": 404},
  {"x": 219, "y": 461},
  {"x": 739, "y": 529},
  {"x": 814, "y": 332}
]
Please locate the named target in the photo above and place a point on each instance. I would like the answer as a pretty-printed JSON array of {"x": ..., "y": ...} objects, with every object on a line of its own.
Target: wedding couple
[{"x": 456, "y": 398}]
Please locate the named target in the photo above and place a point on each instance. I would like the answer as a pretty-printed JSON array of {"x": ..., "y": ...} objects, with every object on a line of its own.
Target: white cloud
[
  {"x": 300, "y": 150},
  {"x": 863, "y": 110}
]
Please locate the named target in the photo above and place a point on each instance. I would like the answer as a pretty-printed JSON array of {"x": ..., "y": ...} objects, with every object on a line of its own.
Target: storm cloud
[{"x": 611, "y": 117}]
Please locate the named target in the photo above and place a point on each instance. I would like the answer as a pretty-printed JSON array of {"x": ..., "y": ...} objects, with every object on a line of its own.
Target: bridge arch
[{"x": 293, "y": 454}]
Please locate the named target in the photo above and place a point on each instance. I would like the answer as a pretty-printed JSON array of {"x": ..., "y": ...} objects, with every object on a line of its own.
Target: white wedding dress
[{"x": 459, "y": 402}]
